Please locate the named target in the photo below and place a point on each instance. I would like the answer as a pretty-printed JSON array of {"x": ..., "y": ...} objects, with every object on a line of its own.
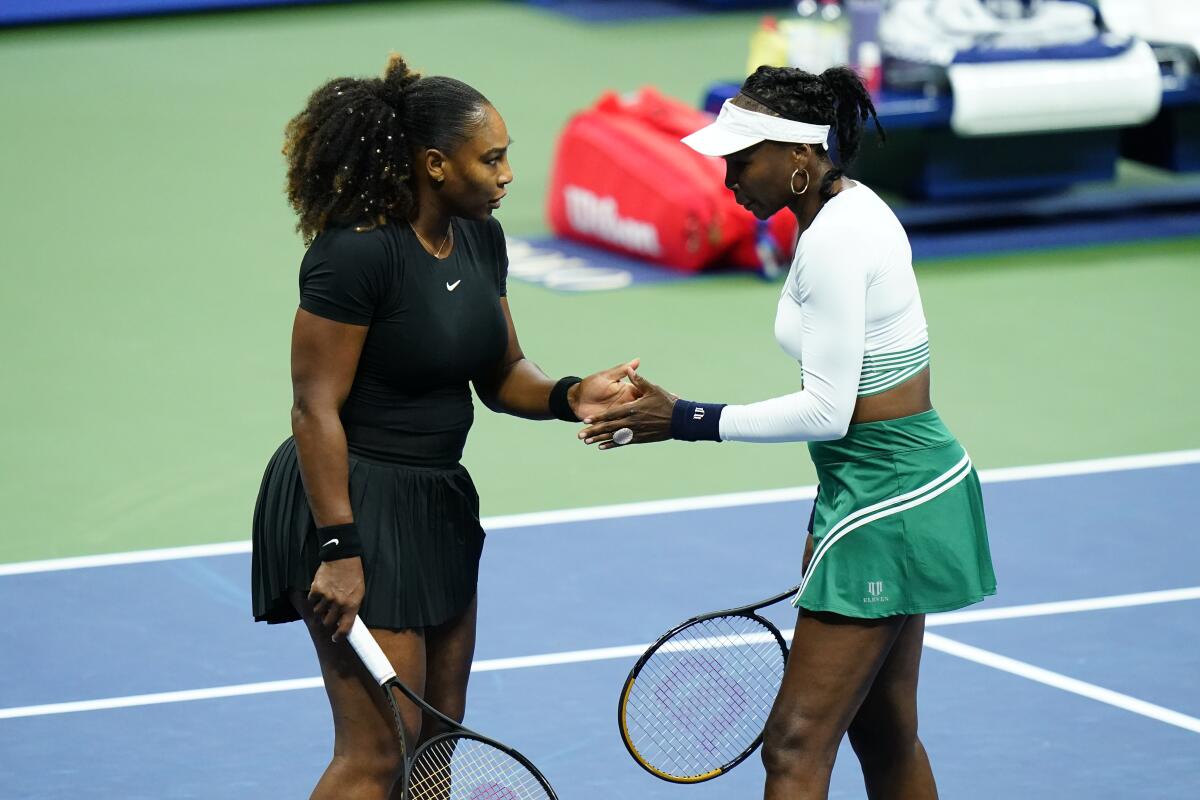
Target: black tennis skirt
[{"x": 420, "y": 533}]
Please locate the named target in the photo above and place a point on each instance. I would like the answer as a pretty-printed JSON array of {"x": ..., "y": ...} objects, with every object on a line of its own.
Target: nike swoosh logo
[
  {"x": 450, "y": 287},
  {"x": 331, "y": 541}
]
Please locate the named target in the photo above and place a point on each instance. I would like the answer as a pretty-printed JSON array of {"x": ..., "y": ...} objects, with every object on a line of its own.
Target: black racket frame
[{"x": 455, "y": 730}]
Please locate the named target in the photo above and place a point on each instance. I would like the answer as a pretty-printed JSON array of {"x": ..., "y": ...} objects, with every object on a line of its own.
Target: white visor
[{"x": 737, "y": 128}]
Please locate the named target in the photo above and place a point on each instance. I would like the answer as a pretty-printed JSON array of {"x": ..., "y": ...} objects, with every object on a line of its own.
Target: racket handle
[{"x": 370, "y": 653}]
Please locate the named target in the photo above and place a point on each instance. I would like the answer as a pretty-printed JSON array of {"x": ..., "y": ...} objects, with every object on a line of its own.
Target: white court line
[
  {"x": 538, "y": 518},
  {"x": 1059, "y": 681},
  {"x": 161, "y": 697},
  {"x": 1062, "y": 607},
  {"x": 134, "y": 557},
  {"x": 631, "y": 651},
  {"x": 268, "y": 687}
]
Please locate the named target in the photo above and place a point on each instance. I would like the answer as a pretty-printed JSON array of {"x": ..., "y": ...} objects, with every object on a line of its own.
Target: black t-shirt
[{"x": 434, "y": 326}]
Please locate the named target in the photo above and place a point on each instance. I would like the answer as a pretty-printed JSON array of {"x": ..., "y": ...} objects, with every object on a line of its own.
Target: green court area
[{"x": 149, "y": 281}]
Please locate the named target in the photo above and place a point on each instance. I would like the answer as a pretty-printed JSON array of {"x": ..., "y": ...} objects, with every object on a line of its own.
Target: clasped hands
[{"x": 620, "y": 398}]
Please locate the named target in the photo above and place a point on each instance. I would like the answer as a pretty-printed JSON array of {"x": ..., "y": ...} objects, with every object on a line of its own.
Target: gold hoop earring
[{"x": 792, "y": 182}]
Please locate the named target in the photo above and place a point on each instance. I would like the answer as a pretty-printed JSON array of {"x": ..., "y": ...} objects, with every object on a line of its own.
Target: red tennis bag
[{"x": 621, "y": 179}]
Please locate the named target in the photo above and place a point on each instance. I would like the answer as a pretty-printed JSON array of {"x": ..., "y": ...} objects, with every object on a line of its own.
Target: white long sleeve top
[{"x": 850, "y": 314}]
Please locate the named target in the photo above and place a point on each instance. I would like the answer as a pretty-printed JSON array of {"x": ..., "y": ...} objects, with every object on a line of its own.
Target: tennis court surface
[{"x": 141, "y": 675}]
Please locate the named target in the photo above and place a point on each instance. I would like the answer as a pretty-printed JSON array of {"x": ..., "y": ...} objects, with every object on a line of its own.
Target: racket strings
[
  {"x": 702, "y": 699},
  {"x": 464, "y": 768},
  {"x": 711, "y": 706},
  {"x": 672, "y": 749},
  {"x": 722, "y": 731},
  {"x": 683, "y": 708}
]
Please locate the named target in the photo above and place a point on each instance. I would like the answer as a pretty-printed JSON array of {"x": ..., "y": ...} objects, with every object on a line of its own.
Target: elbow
[
  {"x": 301, "y": 414},
  {"x": 306, "y": 413},
  {"x": 835, "y": 423},
  {"x": 488, "y": 395},
  {"x": 831, "y": 432},
  {"x": 491, "y": 389}
]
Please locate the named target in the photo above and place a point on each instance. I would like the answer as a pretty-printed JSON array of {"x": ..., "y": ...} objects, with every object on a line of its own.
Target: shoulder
[
  {"x": 358, "y": 240},
  {"x": 832, "y": 258},
  {"x": 858, "y": 202},
  {"x": 486, "y": 241},
  {"x": 348, "y": 272},
  {"x": 350, "y": 248},
  {"x": 827, "y": 241},
  {"x": 486, "y": 231},
  {"x": 856, "y": 226},
  {"x": 862, "y": 208}
]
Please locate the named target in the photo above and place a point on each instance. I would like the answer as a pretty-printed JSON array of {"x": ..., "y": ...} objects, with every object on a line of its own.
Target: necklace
[{"x": 448, "y": 237}]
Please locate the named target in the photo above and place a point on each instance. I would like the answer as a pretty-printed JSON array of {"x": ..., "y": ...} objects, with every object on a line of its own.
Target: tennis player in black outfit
[{"x": 366, "y": 508}]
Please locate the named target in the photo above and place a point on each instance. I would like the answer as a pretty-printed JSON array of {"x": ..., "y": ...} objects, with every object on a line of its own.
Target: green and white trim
[
  {"x": 885, "y": 508},
  {"x": 887, "y": 370}
]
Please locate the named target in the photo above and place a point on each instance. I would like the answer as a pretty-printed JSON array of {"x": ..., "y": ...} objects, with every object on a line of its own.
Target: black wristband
[
  {"x": 560, "y": 407},
  {"x": 339, "y": 541},
  {"x": 696, "y": 422}
]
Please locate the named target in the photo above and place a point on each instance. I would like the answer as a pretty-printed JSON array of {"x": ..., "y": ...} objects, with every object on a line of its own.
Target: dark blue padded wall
[{"x": 27, "y": 12}]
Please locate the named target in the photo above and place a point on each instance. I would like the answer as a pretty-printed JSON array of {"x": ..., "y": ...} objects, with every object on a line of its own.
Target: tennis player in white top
[{"x": 898, "y": 528}]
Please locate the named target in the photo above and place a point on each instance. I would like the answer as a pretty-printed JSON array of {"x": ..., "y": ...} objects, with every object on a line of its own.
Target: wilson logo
[{"x": 598, "y": 216}]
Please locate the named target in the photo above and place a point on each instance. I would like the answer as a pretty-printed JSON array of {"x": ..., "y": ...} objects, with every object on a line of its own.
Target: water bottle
[{"x": 768, "y": 46}]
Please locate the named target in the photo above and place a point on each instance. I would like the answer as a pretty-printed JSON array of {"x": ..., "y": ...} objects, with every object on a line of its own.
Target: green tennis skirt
[{"x": 899, "y": 525}]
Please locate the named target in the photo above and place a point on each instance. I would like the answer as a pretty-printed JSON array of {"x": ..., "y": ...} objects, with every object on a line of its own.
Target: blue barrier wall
[{"x": 26, "y": 12}]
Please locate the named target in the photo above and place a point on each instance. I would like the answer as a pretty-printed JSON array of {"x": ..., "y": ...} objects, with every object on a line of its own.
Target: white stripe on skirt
[{"x": 885, "y": 508}]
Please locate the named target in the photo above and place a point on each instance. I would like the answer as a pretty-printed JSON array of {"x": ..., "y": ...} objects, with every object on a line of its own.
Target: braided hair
[
  {"x": 836, "y": 97},
  {"x": 350, "y": 151}
]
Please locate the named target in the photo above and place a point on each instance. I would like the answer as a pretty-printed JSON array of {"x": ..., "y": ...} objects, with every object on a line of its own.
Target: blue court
[{"x": 1096, "y": 699}]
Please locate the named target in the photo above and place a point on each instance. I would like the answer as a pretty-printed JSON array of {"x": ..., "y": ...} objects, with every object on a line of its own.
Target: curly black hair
[
  {"x": 836, "y": 97},
  {"x": 350, "y": 151}
]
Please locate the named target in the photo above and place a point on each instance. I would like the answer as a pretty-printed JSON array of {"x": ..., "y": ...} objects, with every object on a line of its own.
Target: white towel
[
  {"x": 933, "y": 31},
  {"x": 1156, "y": 21}
]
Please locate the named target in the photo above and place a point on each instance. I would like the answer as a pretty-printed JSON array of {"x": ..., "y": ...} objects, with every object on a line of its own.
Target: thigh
[
  {"x": 450, "y": 650},
  {"x": 362, "y": 717},
  {"x": 890, "y": 707},
  {"x": 833, "y": 661}
]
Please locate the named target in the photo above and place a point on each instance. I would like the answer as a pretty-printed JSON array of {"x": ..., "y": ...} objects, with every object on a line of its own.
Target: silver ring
[{"x": 623, "y": 436}]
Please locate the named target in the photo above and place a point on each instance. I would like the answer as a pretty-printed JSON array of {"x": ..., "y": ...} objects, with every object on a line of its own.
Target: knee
[
  {"x": 377, "y": 758},
  {"x": 798, "y": 743}
]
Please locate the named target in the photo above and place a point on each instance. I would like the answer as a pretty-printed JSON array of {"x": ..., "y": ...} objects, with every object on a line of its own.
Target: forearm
[
  {"x": 324, "y": 464},
  {"x": 820, "y": 412},
  {"x": 522, "y": 390},
  {"x": 798, "y": 417}
]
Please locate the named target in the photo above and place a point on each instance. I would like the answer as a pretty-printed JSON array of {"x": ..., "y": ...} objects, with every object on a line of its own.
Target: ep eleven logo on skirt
[{"x": 875, "y": 593}]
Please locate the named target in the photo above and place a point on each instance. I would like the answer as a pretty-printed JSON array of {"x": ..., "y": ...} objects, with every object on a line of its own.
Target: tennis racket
[
  {"x": 695, "y": 704},
  {"x": 458, "y": 764}
]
